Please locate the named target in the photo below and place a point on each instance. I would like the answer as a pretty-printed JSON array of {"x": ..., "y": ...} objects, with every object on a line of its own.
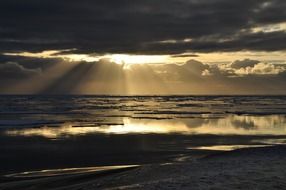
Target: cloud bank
[{"x": 106, "y": 77}]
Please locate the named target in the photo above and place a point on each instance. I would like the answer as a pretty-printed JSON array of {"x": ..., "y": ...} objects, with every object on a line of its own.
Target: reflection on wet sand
[
  {"x": 226, "y": 147},
  {"x": 228, "y": 125},
  {"x": 68, "y": 171}
]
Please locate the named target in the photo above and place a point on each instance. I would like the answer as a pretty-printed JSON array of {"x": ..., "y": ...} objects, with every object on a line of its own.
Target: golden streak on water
[{"x": 230, "y": 125}]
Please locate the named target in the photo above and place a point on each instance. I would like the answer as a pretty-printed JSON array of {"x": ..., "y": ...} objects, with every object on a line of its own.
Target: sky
[{"x": 132, "y": 47}]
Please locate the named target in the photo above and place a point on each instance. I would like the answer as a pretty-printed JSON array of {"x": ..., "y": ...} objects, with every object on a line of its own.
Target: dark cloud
[
  {"x": 185, "y": 55},
  {"x": 13, "y": 70},
  {"x": 12, "y": 73},
  {"x": 31, "y": 62},
  {"x": 124, "y": 26},
  {"x": 244, "y": 63},
  {"x": 260, "y": 41}
]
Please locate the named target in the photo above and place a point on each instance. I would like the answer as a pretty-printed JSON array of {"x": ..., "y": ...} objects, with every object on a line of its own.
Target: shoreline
[{"x": 242, "y": 168}]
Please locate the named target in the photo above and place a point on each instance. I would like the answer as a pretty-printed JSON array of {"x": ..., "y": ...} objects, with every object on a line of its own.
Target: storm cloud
[{"x": 142, "y": 26}]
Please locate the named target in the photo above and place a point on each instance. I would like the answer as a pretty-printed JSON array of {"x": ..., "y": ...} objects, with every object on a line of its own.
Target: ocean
[{"x": 50, "y": 132}]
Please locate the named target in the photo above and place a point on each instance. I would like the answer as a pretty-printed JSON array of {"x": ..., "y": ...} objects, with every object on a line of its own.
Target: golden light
[
  {"x": 231, "y": 125},
  {"x": 137, "y": 59},
  {"x": 117, "y": 58},
  {"x": 221, "y": 57}
]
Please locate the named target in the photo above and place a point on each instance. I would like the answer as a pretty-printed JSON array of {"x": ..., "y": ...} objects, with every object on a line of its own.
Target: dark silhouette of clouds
[
  {"x": 139, "y": 27},
  {"x": 243, "y": 63},
  {"x": 16, "y": 71}
]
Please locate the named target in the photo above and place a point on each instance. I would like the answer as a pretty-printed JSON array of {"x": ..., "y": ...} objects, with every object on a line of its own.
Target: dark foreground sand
[{"x": 251, "y": 168}]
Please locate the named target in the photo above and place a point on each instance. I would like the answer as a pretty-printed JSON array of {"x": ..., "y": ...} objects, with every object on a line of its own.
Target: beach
[{"x": 249, "y": 168}]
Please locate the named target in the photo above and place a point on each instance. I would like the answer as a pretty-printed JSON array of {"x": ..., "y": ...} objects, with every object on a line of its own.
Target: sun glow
[
  {"x": 137, "y": 59},
  {"x": 117, "y": 58},
  {"x": 129, "y": 59}
]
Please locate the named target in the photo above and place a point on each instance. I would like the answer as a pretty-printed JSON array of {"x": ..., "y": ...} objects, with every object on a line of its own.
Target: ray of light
[
  {"x": 39, "y": 83},
  {"x": 137, "y": 59}
]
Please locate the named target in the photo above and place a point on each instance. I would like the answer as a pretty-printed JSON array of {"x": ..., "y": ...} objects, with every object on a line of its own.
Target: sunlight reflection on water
[{"x": 229, "y": 125}]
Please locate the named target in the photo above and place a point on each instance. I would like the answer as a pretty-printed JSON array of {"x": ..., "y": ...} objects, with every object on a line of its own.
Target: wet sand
[{"x": 249, "y": 168}]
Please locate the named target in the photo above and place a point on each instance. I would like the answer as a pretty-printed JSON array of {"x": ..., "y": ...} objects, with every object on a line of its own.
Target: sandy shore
[{"x": 250, "y": 168}]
